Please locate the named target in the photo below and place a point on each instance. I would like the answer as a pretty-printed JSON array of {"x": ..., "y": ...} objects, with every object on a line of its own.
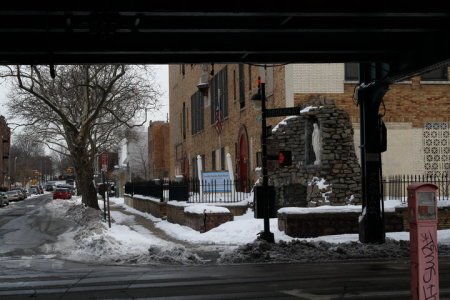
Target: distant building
[
  {"x": 5, "y": 134},
  {"x": 111, "y": 162},
  {"x": 133, "y": 155},
  {"x": 158, "y": 149}
]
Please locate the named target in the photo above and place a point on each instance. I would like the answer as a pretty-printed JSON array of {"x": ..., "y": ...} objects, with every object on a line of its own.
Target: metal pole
[
  {"x": 104, "y": 200},
  {"x": 107, "y": 199},
  {"x": 266, "y": 235}
]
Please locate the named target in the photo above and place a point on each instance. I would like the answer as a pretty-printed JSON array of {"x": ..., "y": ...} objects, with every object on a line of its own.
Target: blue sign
[{"x": 216, "y": 182}]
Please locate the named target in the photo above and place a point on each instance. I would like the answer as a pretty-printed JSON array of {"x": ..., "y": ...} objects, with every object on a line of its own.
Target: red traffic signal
[{"x": 285, "y": 158}]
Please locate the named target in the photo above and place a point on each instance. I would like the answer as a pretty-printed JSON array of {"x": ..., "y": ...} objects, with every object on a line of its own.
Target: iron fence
[
  {"x": 395, "y": 186},
  {"x": 192, "y": 190}
]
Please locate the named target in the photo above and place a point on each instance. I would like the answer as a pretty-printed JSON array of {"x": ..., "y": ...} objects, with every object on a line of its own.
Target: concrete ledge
[
  {"x": 319, "y": 224},
  {"x": 207, "y": 221},
  {"x": 157, "y": 209},
  {"x": 443, "y": 217}
]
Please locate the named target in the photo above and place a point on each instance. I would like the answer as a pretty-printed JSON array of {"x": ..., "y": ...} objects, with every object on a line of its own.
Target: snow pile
[
  {"x": 123, "y": 243},
  {"x": 200, "y": 209},
  {"x": 307, "y": 251}
]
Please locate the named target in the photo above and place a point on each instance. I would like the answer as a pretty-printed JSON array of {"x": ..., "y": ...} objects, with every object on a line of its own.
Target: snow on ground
[
  {"x": 128, "y": 242},
  {"x": 124, "y": 242}
]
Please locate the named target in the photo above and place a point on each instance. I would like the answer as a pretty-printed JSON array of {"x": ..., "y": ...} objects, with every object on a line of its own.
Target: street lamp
[{"x": 260, "y": 96}]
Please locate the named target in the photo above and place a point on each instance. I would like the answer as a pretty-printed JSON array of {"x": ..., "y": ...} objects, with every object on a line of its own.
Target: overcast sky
[{"x": 161, "y": 75}]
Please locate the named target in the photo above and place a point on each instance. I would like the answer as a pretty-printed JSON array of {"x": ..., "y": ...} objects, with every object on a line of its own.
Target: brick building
[
  {"x": 158, "y": 149},
  {"x": 416, "y": 113},
  {"x": 5, "y": 134}
]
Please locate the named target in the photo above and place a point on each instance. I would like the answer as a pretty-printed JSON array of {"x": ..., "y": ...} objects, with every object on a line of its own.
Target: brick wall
[
  {"x": 313, "y": 225},
  {"x": 239, "y": 120},
  {"x": 5, "y": 136},
  {"x": 158, "y": 149},
  {"x": 412, "y": 101}
]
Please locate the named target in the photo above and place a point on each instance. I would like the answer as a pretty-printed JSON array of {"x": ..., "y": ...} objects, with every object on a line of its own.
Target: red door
[{"x": 243, "y": 163}]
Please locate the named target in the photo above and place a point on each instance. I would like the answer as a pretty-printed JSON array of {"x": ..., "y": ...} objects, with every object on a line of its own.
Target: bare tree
[
  {"x": 83, "y": 109},
  {"x": 138, "y": 153}
]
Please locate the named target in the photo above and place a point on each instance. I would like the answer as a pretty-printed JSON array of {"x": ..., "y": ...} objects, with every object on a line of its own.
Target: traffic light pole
[{"x": 266, "y": 234}]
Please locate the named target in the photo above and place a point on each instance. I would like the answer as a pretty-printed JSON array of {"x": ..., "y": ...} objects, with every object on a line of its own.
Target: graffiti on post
[{"x": 430, "y": 276}]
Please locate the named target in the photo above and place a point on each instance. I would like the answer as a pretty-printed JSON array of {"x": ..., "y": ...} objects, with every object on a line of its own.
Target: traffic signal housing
[{"x": 285, "y": 158}]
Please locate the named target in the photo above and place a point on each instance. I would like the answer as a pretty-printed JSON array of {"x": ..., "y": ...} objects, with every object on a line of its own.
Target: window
[
  {"x": 219, "y": 94},
  {"x": 440, "y": 74},
  {"x": 241, "y": 86},
  {"x": 194, "y": 167},
  {"x": 197, "y": 112},
  {"x": 183, "y": 121},
  {"x": 213, "y": 160},
  {"x": 222, "y": 158},
  {"x": 352, "y": 71}
]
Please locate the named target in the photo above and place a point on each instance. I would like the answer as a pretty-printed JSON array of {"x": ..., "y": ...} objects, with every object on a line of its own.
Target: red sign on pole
[{"x": 104, "y": 162}]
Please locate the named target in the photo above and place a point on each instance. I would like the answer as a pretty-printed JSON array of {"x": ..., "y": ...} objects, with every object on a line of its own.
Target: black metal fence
[
  {"x": 193, "y": 190},
  {"x": 395, "y": 187}
]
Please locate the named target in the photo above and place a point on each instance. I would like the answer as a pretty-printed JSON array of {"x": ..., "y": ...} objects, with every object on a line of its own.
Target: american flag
[{"x": 218, "y": 123}]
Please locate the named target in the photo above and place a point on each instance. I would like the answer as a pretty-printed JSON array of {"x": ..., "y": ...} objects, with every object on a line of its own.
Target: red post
[{"x": 422, "y": 207}]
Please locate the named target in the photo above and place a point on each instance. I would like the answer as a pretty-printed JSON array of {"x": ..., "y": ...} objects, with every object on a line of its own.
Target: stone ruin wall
[{"x": 336, "y": 180}]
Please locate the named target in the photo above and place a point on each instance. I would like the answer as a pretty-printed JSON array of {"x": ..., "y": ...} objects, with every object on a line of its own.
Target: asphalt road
[
  {"x": 47, "y": 278},
  {"x": 25, "y": 272}
]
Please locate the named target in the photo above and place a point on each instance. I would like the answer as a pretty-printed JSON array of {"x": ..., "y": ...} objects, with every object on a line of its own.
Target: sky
[{"x": 161, "y": 76}]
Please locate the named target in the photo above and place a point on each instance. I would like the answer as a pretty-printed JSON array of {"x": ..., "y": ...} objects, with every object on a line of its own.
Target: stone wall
[
  {"x": 333, "y": 178},
  {"x": 319, "y": 224}
]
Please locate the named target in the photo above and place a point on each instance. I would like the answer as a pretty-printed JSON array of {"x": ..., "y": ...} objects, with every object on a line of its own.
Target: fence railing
[
  {"x": 395, "y": 186},
  {"x": 192, "y": 190}
]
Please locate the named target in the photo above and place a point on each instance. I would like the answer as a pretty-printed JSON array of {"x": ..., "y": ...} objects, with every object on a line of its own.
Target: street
[
  {"x": 47, "y": 278},
  {"x": 26, "y": 271}
]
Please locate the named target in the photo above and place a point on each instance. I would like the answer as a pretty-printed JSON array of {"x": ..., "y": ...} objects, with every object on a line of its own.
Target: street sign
[
  {"x": 104, "y": 162},
  {"x": 282, "y": 112}
]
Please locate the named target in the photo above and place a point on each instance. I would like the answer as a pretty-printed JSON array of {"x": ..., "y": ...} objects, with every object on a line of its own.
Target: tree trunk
[{"x": 85, "y": 179}]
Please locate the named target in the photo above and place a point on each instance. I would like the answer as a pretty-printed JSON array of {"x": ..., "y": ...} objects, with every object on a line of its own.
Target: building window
[
  {"x": 197, "y": 112},
  {"x": 241, "y": 86},
  {"x": 352, "y": 71},
  {"x": 213, "y": 160},
  {"x": 219, "y": 94},
  {"x": 183, "y": 121},
  {"x": 194, "y": 167},
  {"x": 440, "y": 74},
  {"x": 222, "y": 158}
]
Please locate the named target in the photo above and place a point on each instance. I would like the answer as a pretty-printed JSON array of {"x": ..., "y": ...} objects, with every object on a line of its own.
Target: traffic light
[{"x": 285, "y": 158}]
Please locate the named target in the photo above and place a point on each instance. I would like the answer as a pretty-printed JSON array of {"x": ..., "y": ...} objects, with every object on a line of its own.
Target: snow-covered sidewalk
[{"x": 128, "y": 241}]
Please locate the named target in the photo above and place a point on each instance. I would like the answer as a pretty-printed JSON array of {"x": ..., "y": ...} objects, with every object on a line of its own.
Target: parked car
[
  {"x": 14, "y": 195},
  {"x": 49, "y": 187},
  {"x": 67, "y": 186},
  {"x": 3, "y": 199},
  {"x": 61, "y": 193},
  {"x": 22, "y": 193},
  {"x": 33, "y": 191},
  {"x": 38, "y": 188}
]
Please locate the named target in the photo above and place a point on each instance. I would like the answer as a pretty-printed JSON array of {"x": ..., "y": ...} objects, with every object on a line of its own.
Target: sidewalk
[{"x": 209, "y": 253}]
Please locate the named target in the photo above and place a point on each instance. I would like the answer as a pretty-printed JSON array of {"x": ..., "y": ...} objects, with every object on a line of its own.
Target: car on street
[
  {"x": 38, "y": 188},
  {"x": 3, "y": 199},
  {"x": 67, "y": 186},
  {"x": 14, "y": 195},
  {"x": 49, "y": 187},
  {"x": 61, "y": 193},
  {"x": 22, "y": 192},
  {"x": 33, "y": 191}
]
